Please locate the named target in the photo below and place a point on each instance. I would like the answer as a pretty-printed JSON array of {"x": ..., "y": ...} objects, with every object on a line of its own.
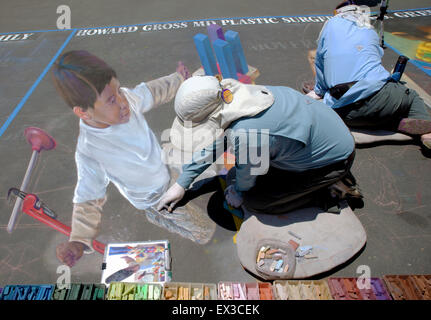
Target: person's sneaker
[
  {"x": 414, "y": 126},
  {"x": 340, "y": 190}
]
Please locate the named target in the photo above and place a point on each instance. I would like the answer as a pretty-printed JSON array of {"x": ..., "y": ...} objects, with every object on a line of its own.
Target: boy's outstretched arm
[
  {"x": 165, "y": 88},
  {"x": 86, "y": 218}
]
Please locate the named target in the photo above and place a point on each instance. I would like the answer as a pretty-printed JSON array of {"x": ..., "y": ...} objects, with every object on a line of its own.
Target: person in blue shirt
[
  {"x": 350, "y": 77},
  {"x": 287, "y": 146}
]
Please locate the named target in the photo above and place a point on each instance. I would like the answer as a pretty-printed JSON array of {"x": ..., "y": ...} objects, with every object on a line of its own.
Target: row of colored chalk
[
  {"x": 73, "y": 291},
  {"x": 134, "y": 291},
  {"x": 189, "y": 291},
  {"x": 397, "y": 287},
  {"x": 79, "y": 291}
]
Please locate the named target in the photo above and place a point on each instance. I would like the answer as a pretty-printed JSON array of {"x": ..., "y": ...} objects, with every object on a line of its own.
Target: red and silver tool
[
  {"x": 39, "y": 140},
  {"x": 37, "y": 209}
]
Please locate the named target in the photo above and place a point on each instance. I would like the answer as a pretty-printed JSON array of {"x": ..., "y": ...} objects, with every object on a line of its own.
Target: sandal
[{"x": 340, "y": 190}]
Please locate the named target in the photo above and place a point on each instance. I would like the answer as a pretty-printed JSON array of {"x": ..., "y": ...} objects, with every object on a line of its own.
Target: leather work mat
[{"x": 334, "y": 238}]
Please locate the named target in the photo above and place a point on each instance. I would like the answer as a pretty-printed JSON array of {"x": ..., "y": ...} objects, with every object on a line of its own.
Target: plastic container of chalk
[
  {"x": 189, "y": 291},
  {"x": 344, "y": 289},
  {"x": 134, "y": 291},
  {"x": 408, "y": 287},
  {"x": 252, "y": 291},
  {"x": 265, "y": 291},
  {"x": 375, "y": 289},
  {"x": 232, "y": 291},
  {"x": 301, "y": 290},
  {"x": 423, "y": 284}
]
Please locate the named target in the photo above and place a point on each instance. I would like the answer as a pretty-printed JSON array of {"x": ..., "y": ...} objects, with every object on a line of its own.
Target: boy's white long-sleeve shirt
[{"x": 128, "y": 155}]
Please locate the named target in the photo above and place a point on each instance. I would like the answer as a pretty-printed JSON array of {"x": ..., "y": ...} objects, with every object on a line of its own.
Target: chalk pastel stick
[
  {"x": 235, "y": 290},
  {"x": 86, "y": 292},
  {"x": 22, "y": 292},
  {"x": 215, "y": 32},
  {"x": 150, "y": 292},
  {"x": 223, "y": 51},
  {"x": 279, "y": 264},
  {"x": 273, "y": 265},
  {"x": 242, "y": 292},
  {"x": 203, "y": 46},
  {"x": 207, "y": 293},
  {"x": 238, "y": 53},
  {"x": 229, "y": 292},
  {"x": 145, "y": 291},
  {"x": 156, "y": 295}
]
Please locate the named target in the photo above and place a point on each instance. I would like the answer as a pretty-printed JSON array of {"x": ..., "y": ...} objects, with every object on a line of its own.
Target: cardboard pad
[
  {"x": 333, "y": 237},
  {"x": 363, "y": 136}
]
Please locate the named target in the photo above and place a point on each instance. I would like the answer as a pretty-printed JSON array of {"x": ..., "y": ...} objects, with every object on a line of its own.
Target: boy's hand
[
  {"x": 183, "y": 71},
  {"x": 174, "y": 194},
  {"x": 70, "y": 252}
]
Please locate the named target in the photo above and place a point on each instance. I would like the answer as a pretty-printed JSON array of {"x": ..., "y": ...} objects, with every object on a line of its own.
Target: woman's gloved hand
[
  {"x": 233, "y": 197},
  {"x": 174, "y": 194}
]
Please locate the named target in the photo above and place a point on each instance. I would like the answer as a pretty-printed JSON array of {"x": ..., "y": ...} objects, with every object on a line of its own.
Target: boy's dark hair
[{"x": 80, "y": 76}]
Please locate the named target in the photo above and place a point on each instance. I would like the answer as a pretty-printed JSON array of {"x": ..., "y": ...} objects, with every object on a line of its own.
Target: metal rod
[{"x": 18, "y": 202}]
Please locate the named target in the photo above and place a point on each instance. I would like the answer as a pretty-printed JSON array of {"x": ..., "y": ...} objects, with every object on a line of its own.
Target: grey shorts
[{"x": 385, "y": 108}]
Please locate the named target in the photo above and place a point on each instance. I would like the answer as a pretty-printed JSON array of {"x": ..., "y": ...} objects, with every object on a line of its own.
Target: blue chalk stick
[
  {"x": 203, "y": 46},
  {"x": 33, "y": 293},
  {"x": 238, "y": 53},
  {"x": 223, "y": 51},
  {"x": 279, "y": 263},
  {"x": 22, "y": 292},
  {"x": 10, "y": 292}
]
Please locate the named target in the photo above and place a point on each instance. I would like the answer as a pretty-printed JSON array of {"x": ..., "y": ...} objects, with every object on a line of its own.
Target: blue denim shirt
[{"x": 347, "y": 53}]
